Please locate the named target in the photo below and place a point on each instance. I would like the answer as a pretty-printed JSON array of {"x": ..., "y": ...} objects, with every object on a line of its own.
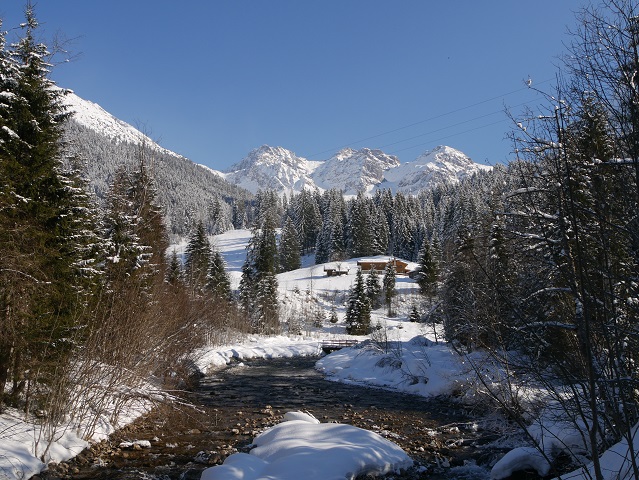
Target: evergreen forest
[{"x": 539, "y": 257}]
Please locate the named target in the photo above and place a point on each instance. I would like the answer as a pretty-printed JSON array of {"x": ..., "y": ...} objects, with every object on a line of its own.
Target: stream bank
[{"x": 231, "y": 407}]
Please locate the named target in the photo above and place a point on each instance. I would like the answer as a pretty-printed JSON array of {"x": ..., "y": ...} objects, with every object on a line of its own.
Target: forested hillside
[
  {"x": 534, "y": 264},
  {"x": 187, "y": 192}
]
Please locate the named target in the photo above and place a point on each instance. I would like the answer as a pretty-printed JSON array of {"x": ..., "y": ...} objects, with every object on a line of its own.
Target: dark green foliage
[
  {"x": 358, "y": 312},
  {"x": 360, "y": 227},
  {"x": 46, "y": 263},
  {"x": 389, "y": 286},
  {"x": 330, "y": 244},
  {"x": 218, "y": 279},
  {"x": 289, "y": 249},
  {"x": 198, "y": 258},
  {"x": 174, "y": 270},
  {"x": 373, "y": 288},
  {"x": 307, "y": 219},
  {"x": 258, "y": 286},
  {"x": 427, "y": 270}
]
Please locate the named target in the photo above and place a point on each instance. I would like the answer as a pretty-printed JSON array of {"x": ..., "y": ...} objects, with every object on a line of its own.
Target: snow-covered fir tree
[
  {"x": 40, "y": 245},
  {"x": 373, "y": 288},
  {"x": 427, "y": 269},
  {"x": 389, "y": 286},
  {"x": 358, "y": 311},
  {"x": 218, "y": 281},
  {"x": 289, "y": 248},
  {"x": 197, "y": 258},
  {"x": 258, "y": 286}
]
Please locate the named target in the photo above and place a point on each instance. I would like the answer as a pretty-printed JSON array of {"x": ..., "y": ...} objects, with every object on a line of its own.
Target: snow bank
[
  {"x": 23, "y": 443},
  {"x": 556, "y": 436},
  {"x": 210, "y": 359},
  {"x": 416, "y": 366},
  {"x": 301, "y": 447}
]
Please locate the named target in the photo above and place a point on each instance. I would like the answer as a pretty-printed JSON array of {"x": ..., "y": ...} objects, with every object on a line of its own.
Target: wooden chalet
[
  {"x": 335, "y": 269},
  {"x": 379, "y": 264}
]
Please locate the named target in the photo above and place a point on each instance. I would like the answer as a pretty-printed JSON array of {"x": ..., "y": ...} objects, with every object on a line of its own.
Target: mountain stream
[{"x": 228, "y": 409}]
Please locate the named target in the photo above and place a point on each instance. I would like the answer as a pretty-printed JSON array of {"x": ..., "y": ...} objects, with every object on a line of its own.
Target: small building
[
  {"x": 379, "y": 264},
  {"x": 335, "y": 269}
]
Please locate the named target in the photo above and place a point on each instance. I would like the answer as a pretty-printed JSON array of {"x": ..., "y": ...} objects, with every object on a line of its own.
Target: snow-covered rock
[
  {"x": 350, "y": 170},
  {"x": 273, "y": 168},
  {"x": 354, "y": 170},
  {"x": 304, "y": 448},
  {"x": 442, "y": 165}
]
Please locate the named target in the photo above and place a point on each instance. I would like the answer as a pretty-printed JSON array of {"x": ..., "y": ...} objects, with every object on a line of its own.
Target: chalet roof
[
  {"x": 343, "y": 266},
  {"x": 381, "y": 259}
]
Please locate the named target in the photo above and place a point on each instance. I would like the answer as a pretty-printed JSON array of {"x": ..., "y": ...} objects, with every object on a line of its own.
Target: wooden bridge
[{"x": 329, "y": 346}]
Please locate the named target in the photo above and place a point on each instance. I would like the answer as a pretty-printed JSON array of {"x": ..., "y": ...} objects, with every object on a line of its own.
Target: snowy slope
[
  {"x": 94, "y": 117},
  {"x": 440, "y": 165},
  {"x": 354, "y": 170},
  {"x": 104, "y": 143},
  {"x": 350, "y": 170},
  {"x": 273, "y": 168}
]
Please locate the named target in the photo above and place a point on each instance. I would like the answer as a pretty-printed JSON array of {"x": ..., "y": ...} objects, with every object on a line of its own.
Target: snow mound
[
  {"x": 518, "y": 459},
  {"x": 305, "y": 448}
]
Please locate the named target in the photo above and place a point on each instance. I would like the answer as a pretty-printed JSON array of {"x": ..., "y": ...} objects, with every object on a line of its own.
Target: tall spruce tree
[
  {"x": 358, "y": 311},
  {"x": 39, "y": 254},
  {"x": 218, "y": 282},
  {"x": 258, "y": 286},
  {"x": 389, "y": 286},
  {"x": 373, "y": 288},
  {"x": 289, "y": 248},
  {"x": 198, "y": 258},
  {"x": 427, "y": 273}
]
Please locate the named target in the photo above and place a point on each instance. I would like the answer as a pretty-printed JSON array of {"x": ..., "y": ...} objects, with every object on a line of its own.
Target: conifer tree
[
  {"x": 198, "y": 258},
  {"x": 426, "y": 276},
  {"x": 174, "y": 270},
  {"x": 40, "y": 255},
  {"x": 360, "y": 227},
  {"x": 218, "y": 282},
  {"x": 258, "y": 286},
  {"x": 373, "y": 288},
  {"x": 389, "y": 286},
  {"x": 414, "y": 315},
  {"x": 358, "y": 312},
  {"x": 289, "y": 249}
]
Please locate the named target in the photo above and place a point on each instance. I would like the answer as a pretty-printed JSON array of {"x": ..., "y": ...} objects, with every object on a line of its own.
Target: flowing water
[{"x": 231, "y": 407}]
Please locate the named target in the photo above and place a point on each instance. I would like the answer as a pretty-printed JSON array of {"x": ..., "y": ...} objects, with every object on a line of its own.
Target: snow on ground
[
  {"x": 398, "y": 355},
  {"x": 24, "y": 446},
  {"x": 302, "y": 447},
  {"x": 211, "y": 359}
]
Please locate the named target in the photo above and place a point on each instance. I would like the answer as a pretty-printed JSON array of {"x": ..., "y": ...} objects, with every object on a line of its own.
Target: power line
[
  {"x": 428, "y": 120},
  {"x": 449, "y": 136},
  {"x": 452, "y": 126}
]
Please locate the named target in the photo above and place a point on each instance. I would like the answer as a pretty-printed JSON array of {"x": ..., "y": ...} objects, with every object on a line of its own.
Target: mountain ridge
[
  {"x": 190, "y": 192},
  {"x": 350, "y": 170}
]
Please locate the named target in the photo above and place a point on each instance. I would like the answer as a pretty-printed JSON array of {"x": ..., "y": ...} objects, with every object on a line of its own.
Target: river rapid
[{"x": 225, "y": 411}]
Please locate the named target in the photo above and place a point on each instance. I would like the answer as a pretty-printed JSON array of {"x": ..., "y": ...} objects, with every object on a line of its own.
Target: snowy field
[{"x": 398, "y": 355}]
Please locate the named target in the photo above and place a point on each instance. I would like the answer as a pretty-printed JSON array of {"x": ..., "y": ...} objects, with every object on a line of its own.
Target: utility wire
[
  {"x": 454, "y": 125},
  {"x": 427, "y": 120},
  {"x": 451, "y": 135}
]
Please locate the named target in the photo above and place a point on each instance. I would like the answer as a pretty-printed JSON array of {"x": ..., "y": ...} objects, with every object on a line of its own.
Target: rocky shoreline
[{"x": 230, "y": 408}]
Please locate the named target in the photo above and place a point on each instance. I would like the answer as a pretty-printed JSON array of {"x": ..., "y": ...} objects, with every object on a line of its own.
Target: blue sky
[{"x": 213, "y": 79}]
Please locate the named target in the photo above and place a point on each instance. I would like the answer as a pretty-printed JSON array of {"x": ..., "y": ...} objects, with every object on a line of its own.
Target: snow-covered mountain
[
  {"x": 441, "y": 165},
  {"x": 185, "y": 188},
  {"x": 188, "y": 192},
  {"x": 354, "y": 170},
  {"x": 273, "y": 168},
  {"x": 350, "y": 170}
]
